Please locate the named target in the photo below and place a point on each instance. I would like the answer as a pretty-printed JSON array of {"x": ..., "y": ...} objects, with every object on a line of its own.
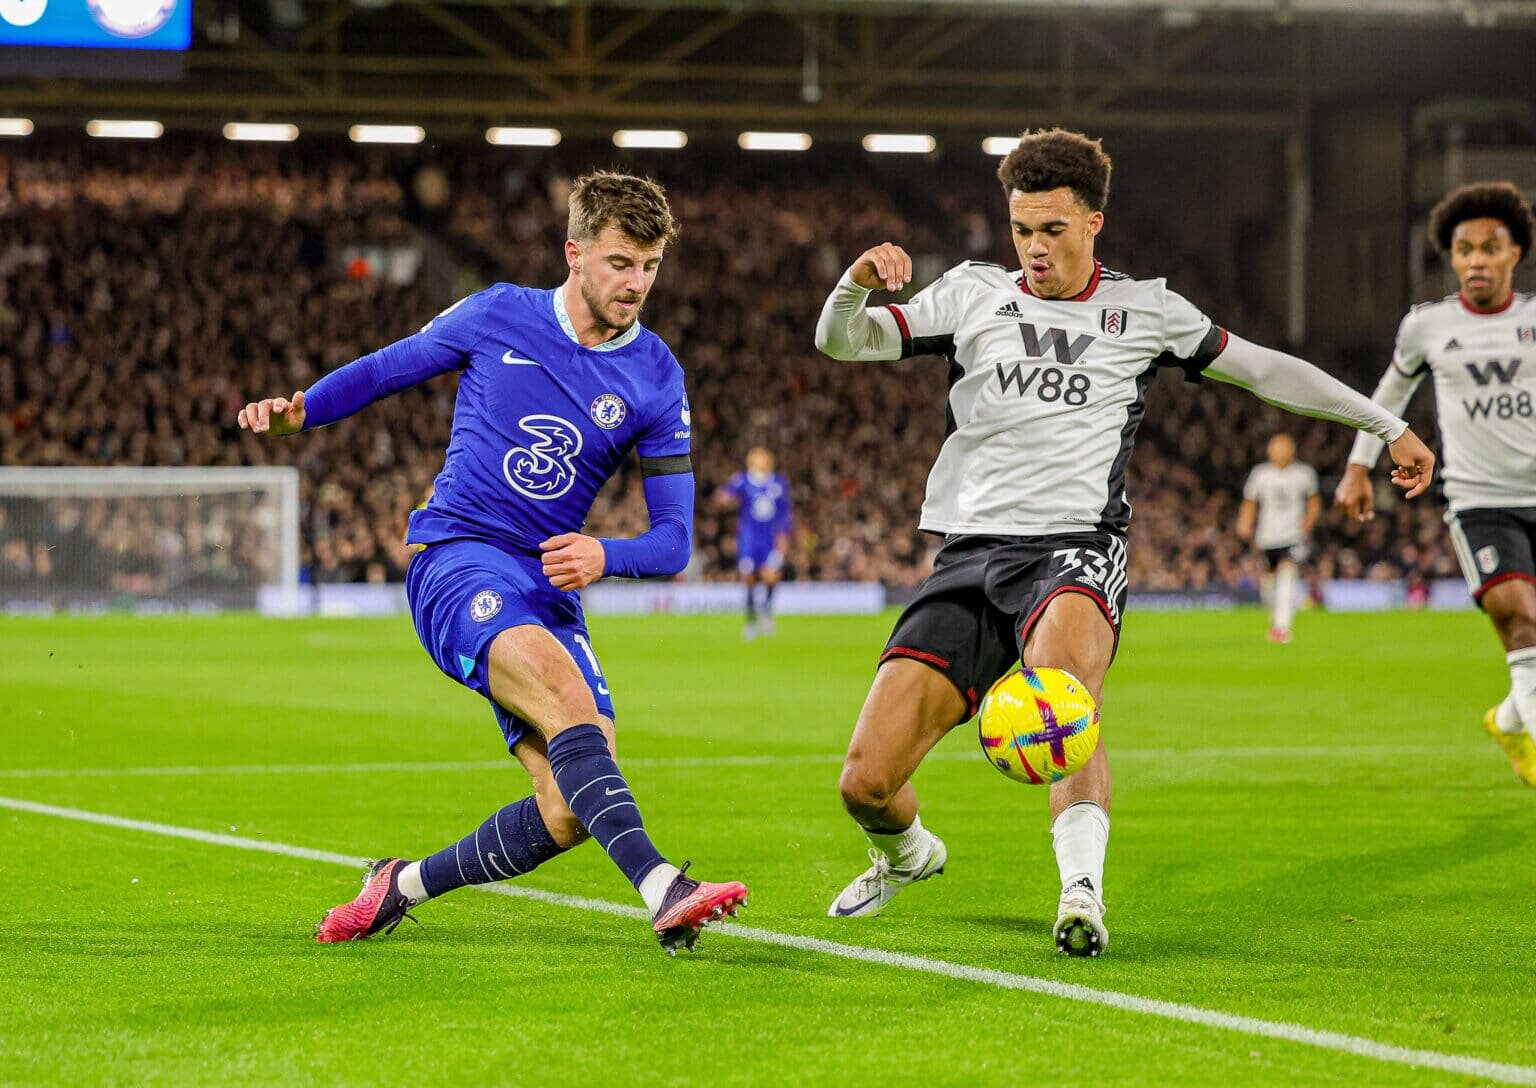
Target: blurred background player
[
  {"x": 1050, "y": 368},
  {"x": 556, "y": 388},
  {"x": 764, "y": 521},
  {"x": 1479, "y": 345},
  {"x": 1280, "y": 506}
]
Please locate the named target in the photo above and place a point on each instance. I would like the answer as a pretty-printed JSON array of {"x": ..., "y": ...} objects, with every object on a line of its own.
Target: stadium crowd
[{"x": 147, "y": 292}]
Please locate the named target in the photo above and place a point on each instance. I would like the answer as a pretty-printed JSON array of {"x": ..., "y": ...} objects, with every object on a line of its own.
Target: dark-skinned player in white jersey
[
  {"x": 1049, "y": 368},
  {"x": 1478, "y": 344}
]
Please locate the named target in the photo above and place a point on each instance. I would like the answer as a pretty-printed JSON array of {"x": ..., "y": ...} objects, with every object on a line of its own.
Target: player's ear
[
  {"x": 573, "y": 255},
  {"x": 1095, "y": 224}
]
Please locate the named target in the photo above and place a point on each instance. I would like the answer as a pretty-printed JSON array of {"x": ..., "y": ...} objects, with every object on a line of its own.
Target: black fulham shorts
[
  {"x": 973, "y": 614},
  {"x": 1296, "y": 553},
  {"x": 1494, "y": 545}
]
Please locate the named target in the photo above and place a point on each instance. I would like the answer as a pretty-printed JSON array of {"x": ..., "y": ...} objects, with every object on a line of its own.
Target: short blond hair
[{"x": 637, "y": 206}]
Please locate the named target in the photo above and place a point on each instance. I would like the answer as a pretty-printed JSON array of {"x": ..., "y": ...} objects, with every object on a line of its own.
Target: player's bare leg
[
  {"x": 1511, "y": 605},
  {"x": 909, "y": 709},
  {"x": 769, "y": 578},
  {"x": 1073, "y": 634}
]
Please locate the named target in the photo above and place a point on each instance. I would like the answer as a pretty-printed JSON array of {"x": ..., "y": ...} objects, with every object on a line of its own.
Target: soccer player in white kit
[
  {"x": 1049, "y": 369},
  {"x": 1280, "y": 506},
  {"x": 1479, "y": 346}
]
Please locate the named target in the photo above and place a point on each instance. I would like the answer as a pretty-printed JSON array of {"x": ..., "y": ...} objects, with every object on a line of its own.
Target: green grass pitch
[{"x": 1317, "y": 834}]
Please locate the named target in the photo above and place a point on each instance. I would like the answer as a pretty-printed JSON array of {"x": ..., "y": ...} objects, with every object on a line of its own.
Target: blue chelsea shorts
[{"x": 463, "y": 593}]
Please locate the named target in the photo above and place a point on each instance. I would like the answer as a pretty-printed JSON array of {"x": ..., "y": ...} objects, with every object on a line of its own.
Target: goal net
[{"x": 146, "y": 539}]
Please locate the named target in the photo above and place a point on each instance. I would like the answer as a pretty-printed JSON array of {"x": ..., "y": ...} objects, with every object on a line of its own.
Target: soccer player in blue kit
[
  {"x": 556, "y": 387},
  {"x": 764, "y": 519}
]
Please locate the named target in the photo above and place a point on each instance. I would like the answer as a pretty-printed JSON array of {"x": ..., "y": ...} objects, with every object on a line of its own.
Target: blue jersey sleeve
[
  {"x": 442, "y": 345},
  {"x": 664, "y": 548}
]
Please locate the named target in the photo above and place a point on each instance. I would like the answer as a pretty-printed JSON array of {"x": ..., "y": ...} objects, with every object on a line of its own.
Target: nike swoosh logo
[
  {"x": 514, "y": 360},
  {"x": 857, "y": 906},
  {"x": 613, "y": 793}
]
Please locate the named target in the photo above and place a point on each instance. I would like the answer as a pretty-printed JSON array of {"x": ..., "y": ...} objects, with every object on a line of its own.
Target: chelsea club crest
[
  {"x": 608, "y": 411},
  {"x": 485, "y": 605}
]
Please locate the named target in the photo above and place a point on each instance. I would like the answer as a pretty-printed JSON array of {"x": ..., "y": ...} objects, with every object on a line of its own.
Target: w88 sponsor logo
[{"x": 1048, "y": 383}]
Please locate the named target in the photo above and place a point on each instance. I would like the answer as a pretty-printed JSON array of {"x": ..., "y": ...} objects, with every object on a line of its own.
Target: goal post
[{"x": 146, "y": 539}]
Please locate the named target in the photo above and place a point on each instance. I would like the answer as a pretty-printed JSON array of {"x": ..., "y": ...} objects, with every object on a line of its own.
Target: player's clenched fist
[
  {"x": 573, "y": 560},
  {"x": 276, "y": 415},
  {"x": 1415, "y": 465},
  {"x": 886, "y": 265}
]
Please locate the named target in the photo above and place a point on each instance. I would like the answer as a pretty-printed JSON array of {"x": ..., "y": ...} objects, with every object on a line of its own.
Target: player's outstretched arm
[
  {"x": 847, "y": 329},
  {"x": 1300, "y": 387},
  {"x": 275, "y": 415},
  {"x": 441, "y": 345},
  {"x": 1354, "y": 495}
]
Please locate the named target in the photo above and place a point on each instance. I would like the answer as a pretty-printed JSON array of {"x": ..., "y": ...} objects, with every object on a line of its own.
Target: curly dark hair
[
  {"x": 1058, "y": 159},
  {"x": 1499, "y": 200}
]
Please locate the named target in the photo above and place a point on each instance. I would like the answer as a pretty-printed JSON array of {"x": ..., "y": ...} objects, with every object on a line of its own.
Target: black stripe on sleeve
[
  {"x": 665, "y": 466},
  {"x": 1214, "y": 344}
]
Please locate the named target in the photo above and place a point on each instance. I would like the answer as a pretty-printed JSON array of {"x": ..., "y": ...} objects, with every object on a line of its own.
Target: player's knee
[
  {"x": 561, "y": 822},
  {"x": 567, "y": 831},
  {"x": 863, "y": 788}
]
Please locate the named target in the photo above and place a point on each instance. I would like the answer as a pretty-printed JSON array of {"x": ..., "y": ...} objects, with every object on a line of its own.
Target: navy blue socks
[
  {"x": 591, "y": 783},
  {"x": 512, "y": 842}
]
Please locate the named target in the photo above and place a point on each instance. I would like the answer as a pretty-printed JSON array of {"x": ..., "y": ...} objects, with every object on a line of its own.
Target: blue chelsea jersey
[
  {"x": 541, "y": 422},
  {"x": 764, "y": 504}
]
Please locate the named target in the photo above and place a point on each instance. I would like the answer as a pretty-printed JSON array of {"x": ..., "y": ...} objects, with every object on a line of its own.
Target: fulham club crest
[
  {"x": 1112, "y": 322},
  {"x": 1526, "y": 333}
]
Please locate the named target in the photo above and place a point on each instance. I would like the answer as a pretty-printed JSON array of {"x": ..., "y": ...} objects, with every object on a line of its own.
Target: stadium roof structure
[{"x": 828, "y": 67}]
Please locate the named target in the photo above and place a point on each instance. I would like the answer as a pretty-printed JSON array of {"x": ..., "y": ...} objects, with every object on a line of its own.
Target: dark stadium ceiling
[{"x": 942, "y": 66}]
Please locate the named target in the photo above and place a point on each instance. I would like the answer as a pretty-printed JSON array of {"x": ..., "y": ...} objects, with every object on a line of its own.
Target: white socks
[
  {"x": 409, "y": 883},
  {"x": 1519, "y": 707},
  {"x": 1284, "y": 609},
  {"x": 1081, "y": 837},
  {"x": 904, "y": 848},
  {"x": 654, "y": 885}
]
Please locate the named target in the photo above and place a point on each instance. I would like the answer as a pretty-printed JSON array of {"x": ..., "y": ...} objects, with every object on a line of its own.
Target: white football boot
[
  {"x": 1079, "y": 929},
  {"x": 878, "y": 885}
]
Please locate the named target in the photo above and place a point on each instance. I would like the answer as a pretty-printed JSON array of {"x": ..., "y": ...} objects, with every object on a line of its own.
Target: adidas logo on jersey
[
  {"x": 1452, "y": 345},
  {"x": 1010, "y": 310}
]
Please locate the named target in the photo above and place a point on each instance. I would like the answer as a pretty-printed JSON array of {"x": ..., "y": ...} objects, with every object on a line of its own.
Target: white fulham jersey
[
  {"x": 1282, "y": 495},
  {"x": 1045, "y": 394},
  {"x": 1484, "y": 370}
]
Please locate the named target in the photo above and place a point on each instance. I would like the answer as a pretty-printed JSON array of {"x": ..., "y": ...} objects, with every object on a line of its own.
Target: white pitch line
[
  {"x": 1168, "y": 1010},
  {"x": 762, "y": 760}
]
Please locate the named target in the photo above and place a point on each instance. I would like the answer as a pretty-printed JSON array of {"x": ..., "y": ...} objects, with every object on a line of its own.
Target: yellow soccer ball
[{"x": 1038, "y": 725}]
